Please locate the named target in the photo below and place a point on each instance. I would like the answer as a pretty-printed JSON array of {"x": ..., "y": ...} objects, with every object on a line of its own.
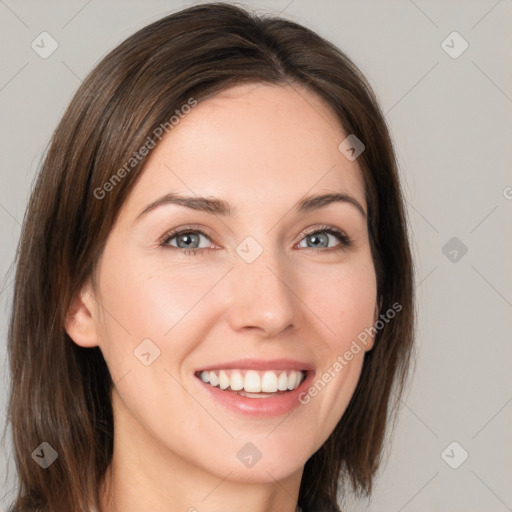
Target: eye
[
  {"x": 186, "y": 239},
  {"x": 320, "y": 237}
]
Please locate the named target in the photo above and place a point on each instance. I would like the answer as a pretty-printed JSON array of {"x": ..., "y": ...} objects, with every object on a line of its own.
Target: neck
[
  {"x": 146, "y": 475},
  {"x": 122, "y": 491}
]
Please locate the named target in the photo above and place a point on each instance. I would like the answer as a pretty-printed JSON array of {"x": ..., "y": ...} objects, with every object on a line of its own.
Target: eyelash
[{"x": 346, "y": 241}]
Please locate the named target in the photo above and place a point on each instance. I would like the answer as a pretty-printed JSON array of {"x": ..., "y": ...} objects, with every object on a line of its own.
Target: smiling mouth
[{"x": 252, "y": 383}]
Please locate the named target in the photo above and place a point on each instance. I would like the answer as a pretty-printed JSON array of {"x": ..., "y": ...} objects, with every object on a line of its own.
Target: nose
[{"x": 262, "y": 297}]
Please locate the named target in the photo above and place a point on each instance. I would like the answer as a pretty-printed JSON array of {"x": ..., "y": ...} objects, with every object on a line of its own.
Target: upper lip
[{"x": 259, "y": 364}]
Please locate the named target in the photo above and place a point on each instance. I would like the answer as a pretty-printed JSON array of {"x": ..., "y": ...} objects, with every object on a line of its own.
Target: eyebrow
[{"x": 217, "y": 206}]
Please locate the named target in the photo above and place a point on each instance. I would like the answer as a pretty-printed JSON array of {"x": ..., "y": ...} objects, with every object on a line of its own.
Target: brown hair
[{"x": 61, "y": 392}]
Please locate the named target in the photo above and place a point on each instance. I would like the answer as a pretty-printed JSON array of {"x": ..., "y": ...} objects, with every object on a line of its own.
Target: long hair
[{"x": 60, "y": 392}]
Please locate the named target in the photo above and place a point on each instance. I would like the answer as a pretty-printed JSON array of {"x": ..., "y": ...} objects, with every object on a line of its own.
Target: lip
[
  {"x": 258, "y": 407},
  {"x": 259, "y": 364}
]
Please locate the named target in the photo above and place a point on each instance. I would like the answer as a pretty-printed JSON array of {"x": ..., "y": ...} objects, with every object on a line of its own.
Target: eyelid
[{"x": 325, "y": 227}]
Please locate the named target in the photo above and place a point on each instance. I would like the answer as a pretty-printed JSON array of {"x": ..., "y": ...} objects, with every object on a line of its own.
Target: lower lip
[{"x": 262, "y": 407}]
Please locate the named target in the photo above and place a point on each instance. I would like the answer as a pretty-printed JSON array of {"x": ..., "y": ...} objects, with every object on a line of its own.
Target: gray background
[{"x": 451, "y": 122}]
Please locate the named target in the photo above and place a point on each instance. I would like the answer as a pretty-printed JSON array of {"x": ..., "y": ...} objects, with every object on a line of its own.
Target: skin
[{"x": 261, "y": 148}]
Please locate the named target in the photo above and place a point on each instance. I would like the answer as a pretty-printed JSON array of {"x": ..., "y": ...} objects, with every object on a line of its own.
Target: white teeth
[
  {"x": 282, "y": 383},
  {"x": 291, "y": 380},
  {"x": 214, "y": 380},
  {"x": 269, "y": 382},
  {"x": 236, "y": 381},
  {"x": 251, "y": 381},
  {"x": 255, "y": 395},
  {"x": 223, "y": 380}
]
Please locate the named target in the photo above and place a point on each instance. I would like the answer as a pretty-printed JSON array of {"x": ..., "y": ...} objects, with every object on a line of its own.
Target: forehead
[{"x": 252, "y": 145}]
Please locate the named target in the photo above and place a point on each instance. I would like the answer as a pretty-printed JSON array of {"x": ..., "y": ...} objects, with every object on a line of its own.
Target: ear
[{"x": 80, "y": 322}]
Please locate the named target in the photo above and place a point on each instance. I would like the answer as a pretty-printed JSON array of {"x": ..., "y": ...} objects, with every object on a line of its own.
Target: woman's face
[{"x": 272, "y": 291}]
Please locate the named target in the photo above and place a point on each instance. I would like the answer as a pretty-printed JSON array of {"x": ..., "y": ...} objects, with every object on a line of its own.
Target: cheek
[
  {"x": 149, "y": 298},
  {"x": 344, "y": 300},
  {"x": 144, "y": 298},
  {"x": 346, "y": 308}
]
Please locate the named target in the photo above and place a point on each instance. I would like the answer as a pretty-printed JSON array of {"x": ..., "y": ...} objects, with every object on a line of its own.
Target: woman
[{"x": 213, "y": 305}]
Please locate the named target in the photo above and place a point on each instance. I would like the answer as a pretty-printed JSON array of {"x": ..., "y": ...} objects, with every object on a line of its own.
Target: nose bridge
[{"x": 261, "y": 290}]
